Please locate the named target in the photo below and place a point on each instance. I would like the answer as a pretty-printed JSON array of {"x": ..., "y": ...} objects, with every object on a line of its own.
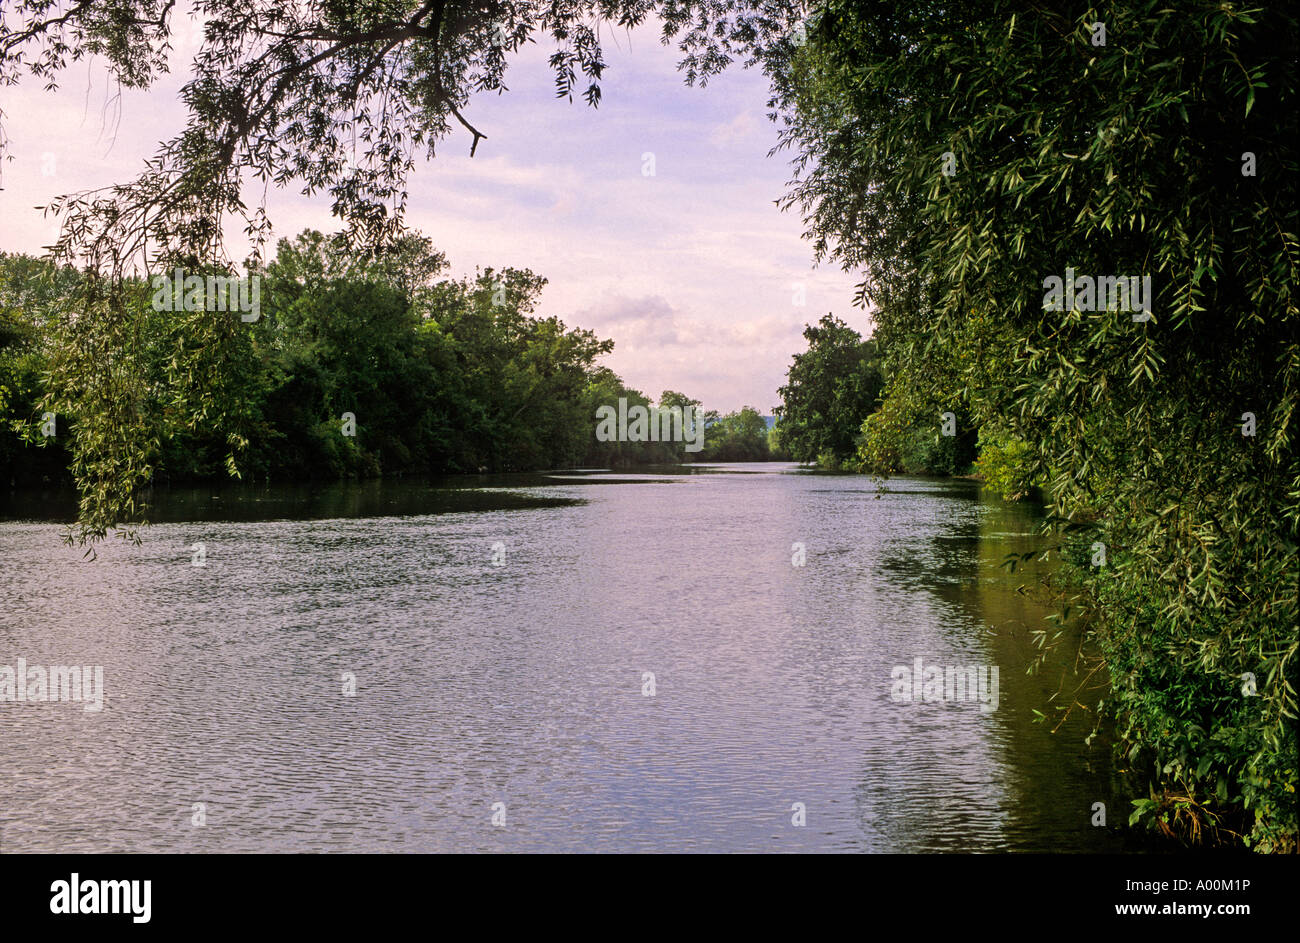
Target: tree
[
  {"x": 349, "y": 370},
  {"x": 831, "y": 388},
  {"x": 29, "y": 289},
  {"x": 736, "y": 437}
]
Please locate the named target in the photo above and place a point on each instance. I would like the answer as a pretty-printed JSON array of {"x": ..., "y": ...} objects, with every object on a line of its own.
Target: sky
[{"x": 701, "y": 281}]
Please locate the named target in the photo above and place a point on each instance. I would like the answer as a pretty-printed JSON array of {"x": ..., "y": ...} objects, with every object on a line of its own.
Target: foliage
[
  {"x": 1004, "y": 463},
  {"x": 830, "y": 387},
  {"x": 438, "y": 375},
  {"x": 736, "y": 437},
  {"x": 27, "y": 287},
  {"x": 776, "y": 450}
]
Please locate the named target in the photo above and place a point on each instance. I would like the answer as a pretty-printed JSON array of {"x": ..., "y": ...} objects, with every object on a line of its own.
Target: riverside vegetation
[{"x": 347, "y": 371}]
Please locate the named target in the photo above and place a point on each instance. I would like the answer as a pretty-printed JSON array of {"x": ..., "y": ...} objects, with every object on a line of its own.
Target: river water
[{"x": 578, "y": 661}]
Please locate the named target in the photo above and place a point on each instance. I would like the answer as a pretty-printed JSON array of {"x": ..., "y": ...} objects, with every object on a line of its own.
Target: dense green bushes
[{"x": 1005, "y": 463}]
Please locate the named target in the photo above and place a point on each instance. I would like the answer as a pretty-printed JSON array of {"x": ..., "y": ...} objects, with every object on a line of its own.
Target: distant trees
[
  {"x": 736, "y": 437},
  {"x": 606, "y": 388},
  {"x": 830, "y": 389},
  {"x": 382, "y": 366}
]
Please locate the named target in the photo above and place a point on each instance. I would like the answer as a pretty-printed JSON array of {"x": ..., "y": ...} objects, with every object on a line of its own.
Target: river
[{"x": 686, "y": 659}]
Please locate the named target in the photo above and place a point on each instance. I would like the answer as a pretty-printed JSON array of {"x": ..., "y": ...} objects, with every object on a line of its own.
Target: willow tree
[
  {"x": 331, "y": 96},
  {"x": 970, "y": 159}
]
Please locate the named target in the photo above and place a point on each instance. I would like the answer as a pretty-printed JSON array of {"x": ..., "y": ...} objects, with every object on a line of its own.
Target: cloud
[
  {"x": 638, "y": 323},
  {"x": 739, "y": 129}
]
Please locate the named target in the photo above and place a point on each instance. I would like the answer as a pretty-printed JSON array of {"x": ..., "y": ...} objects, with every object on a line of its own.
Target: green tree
[
  {"x": 736, "y": 437},
  {"x": 830, "y": 390},
  {"x": 29, "y": 290}
]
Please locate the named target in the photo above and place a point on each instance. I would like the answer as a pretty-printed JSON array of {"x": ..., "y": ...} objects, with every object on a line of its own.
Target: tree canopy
[{"x": 830, "y": 388}]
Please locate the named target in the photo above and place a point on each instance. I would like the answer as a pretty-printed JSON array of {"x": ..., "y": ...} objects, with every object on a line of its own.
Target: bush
[{"x": 1005, "y": 464}]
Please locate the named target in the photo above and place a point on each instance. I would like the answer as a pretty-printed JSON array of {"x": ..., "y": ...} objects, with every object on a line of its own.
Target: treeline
[
  {"x": 345, "y": 369},
  {"x": 839, "y": 411},
  {"x": 995, "y": 169}
]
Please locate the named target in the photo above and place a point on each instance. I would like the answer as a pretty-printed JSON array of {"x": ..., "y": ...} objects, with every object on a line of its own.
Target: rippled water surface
[{"x": 523, "y": 683}]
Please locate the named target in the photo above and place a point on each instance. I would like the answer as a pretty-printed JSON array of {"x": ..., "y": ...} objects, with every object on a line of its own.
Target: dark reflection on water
[
  {"x": 522, "y": 683},
  {"x": 306, "y": 501}
]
